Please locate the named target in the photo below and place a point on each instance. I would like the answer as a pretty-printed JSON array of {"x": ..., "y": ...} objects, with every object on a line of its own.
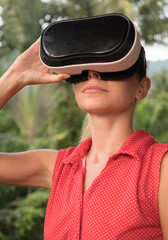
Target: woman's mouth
[{"x": 93, "y": 89}]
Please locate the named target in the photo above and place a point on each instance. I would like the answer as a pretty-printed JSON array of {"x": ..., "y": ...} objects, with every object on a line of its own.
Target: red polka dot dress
[{"x": 121, "y": 202}]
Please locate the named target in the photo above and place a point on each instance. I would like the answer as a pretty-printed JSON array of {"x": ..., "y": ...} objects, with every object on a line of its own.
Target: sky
[{"x": 156, "y": 52}]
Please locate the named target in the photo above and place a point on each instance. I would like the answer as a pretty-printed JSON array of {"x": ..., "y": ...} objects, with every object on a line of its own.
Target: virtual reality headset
[{"x": 108, "y": 44}]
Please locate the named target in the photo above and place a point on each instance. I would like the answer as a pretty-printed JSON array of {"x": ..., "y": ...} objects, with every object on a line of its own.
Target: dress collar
[{"x": 136, "y": 145}]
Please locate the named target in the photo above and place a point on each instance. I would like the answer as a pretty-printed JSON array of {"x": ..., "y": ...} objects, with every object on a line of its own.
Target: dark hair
[{"x": 142, "y": 64}]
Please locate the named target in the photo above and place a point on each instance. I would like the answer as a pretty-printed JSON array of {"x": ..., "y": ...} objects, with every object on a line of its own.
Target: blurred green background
[{"x": 48, "y": 116}]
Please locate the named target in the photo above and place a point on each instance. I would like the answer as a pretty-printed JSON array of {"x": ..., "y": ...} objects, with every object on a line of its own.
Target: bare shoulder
[{"x": 163, "y": 196}]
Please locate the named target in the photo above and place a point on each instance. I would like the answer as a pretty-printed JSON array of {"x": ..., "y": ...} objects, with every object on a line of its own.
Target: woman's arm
[
  {"x": 33, "y": 168},
  {"x": 163, "y": 196},
  {"x": 26, "y": 70}
]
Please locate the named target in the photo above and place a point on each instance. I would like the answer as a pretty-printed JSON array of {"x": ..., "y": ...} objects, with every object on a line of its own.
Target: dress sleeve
[{"x": 62, "y": 154}]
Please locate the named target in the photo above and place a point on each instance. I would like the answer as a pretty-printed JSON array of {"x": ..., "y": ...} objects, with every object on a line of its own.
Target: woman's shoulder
[
  {"x": 153, "y": 146},
  {"x": 76, "y": 152},
  {"x": 64, "y": 152},
  {"x": 158, "y": 148}
]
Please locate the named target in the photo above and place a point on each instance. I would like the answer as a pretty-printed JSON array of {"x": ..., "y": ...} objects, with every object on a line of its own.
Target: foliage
[
  {"x": 153, "y": 20},
  {"x": 7, "y": 123},
  {"x": 9, "y": 200},
  {"x": 7, "y": 59},
  {"x": 26, "y": 218},
  {"x": 121, "y": 6},
  {"x": 9, "y": 140},
  {"x": 151, "y": 113},
  {"x": 21, "y": 23},
  {"x": 30, "y": 107},
  {"x": 159, "y": 83},
  {"x": 64, "y": 124},
  {"x": 47, "y": 115}
]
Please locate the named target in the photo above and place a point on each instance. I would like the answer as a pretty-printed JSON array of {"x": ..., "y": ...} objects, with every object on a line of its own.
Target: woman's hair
[
  {"x": 140, "y": 72},
  {"x": 85, "y": 132},
  {"x": 142, "y": 65}
]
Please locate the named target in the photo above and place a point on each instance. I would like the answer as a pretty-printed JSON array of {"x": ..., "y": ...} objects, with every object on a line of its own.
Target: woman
[{"x": 114, "y": 184}]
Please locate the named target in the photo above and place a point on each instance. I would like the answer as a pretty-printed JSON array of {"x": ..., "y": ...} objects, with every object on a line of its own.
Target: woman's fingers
[
  {"x": 32, "y": 70},
  {"x": 50, "y": 78}
]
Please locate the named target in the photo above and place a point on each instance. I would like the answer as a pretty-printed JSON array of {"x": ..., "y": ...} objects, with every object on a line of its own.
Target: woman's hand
[
  {"x": 31, "y": 68},
  {"x": 26, "y": 70}
]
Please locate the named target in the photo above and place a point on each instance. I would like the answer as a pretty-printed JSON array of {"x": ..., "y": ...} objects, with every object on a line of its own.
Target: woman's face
[{"x": 97, "y": 96}]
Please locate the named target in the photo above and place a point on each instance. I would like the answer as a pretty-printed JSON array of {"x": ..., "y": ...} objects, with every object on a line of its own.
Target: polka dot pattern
[{"x": 121, "y": 202}]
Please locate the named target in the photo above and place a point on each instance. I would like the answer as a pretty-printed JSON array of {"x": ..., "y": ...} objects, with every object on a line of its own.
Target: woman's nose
[{"x": 93, "y": 75}]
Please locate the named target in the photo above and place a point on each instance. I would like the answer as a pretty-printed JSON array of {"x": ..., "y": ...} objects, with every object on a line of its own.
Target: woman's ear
[{"x": 143, "y": 88}]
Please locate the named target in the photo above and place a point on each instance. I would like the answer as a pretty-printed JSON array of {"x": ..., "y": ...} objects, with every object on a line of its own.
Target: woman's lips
[{"x": 92, "y": 89}]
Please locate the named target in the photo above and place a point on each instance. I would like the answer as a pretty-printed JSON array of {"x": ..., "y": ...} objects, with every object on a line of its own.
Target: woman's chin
[{"x": 99, "y": 110}]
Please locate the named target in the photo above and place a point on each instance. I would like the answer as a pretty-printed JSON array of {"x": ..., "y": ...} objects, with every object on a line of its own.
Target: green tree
[
  {"x": 159, "y": 83},
  {"x": 121, "y": 6},
  {"x": 64, "y": 124},
  {"x": 21, "y": 23},
  {"x": 24, "y": 218},
  {"x": 31, "y": 106},
  {"x": 153, "y": 20},
  {"x": 151, "y": 115}
]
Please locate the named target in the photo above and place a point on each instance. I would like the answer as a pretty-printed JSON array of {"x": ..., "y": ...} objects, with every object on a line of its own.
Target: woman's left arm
[{"x": 163, "y": 196}]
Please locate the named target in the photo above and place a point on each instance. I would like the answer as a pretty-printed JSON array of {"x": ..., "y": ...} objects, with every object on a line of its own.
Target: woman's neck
[{"x": 108, "y": 135}]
